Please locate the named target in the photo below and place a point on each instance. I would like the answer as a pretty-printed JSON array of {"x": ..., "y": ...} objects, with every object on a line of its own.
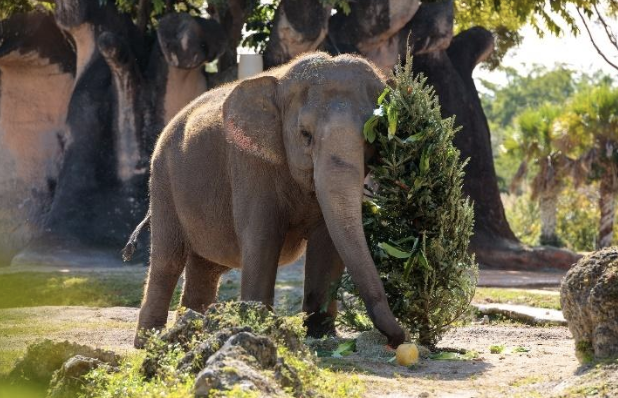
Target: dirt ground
[
  {"x": 548, "y": 368},
  {"x": 541, "y": 370}
]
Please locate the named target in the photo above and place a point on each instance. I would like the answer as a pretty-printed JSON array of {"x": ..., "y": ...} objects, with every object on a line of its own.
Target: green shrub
[
  {"x": 578, "y": 217},
  {"x": 417, "y": 222},
  {"x": 156, "y": 371}
]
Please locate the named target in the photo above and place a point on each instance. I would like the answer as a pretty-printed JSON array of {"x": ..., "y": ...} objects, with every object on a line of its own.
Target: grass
[
  {"x": 112, "y": 289},
  {"x": 526, "y": 381},
  {"x": 93, "y": 289},
  {"x": 19, "y": 328},
  {"x": 25, "y": 290},
  {"x": 548, "y": 300}
]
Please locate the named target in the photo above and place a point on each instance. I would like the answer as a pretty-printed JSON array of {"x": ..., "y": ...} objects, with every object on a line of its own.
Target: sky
[{"x": 575, "y": 51}]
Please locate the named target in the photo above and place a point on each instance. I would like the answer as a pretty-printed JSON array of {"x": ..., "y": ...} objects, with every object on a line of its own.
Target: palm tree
[
  {"x": 592, "y": 120},
  {"x": 537, "y": 141}
]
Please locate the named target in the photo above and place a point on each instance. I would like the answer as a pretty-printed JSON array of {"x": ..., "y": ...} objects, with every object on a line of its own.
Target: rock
[
  {"x": 256, "y": 315},
  {"x": 259, "y": 347},
  {"x": 327, "y": 343},
  {"x": 44, "y": 358},
  {"x": 288, "y": 378},
  {"x": 589, "y": 297},
  {"x": 231, "y": 373},
  {"x": 187, "y": 324},
  {"x": 68, "y": 380},
  {"x": 196, "y": 359},
  {"x": 238, "y": 364}
]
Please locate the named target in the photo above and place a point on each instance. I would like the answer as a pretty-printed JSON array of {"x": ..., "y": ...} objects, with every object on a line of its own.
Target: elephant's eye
[{"x": 307, "y": 136}]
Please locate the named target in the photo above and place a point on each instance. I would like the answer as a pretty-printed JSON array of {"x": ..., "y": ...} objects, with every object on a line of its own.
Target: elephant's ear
[{"x": 252, "y": 119}]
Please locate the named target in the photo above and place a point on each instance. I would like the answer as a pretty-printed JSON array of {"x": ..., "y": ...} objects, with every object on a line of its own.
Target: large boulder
[
  {"x": 44, "y": 358},
  {"x": 589, "y": 297}
]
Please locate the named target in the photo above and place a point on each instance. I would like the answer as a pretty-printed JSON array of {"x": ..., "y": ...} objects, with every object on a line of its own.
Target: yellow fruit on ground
[{"x": 407, "y": 354}]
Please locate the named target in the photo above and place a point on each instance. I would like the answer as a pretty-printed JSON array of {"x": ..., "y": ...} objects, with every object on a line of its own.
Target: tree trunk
[
  {"x": 450, "y": 73},
  {"x": 374, "y": 31},
  {"x": 607, "y": 206},
  {"x": 299, "y": 26},
  {"x": 548, "y": 204}
]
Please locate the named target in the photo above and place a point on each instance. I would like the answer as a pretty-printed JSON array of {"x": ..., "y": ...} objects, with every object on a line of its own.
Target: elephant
[{"x": 252, "y": 174}]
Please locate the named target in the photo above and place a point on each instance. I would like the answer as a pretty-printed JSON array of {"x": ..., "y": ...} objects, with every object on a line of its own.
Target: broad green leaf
[
  {"x": 407, "y": 268},
  {"x": 383, "y": 95},
  {"x": 369, "y": 128},
  {"x": 424, "y": 166},
  {"x": 344, "y": 349},
  {"x": 414, "y": 137},
  {"x": 392, "y": 116},
  {"x": 446, "y": 356},
  {"x": 423, "y": 260},
  {"x": 454, "y": 356},
  {"x": 393, "y": 251},
  {"x": 406, "y": 240}
]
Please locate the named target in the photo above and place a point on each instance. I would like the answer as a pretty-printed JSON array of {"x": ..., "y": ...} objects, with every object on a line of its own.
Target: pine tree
[{"x": 416, "y": 220}]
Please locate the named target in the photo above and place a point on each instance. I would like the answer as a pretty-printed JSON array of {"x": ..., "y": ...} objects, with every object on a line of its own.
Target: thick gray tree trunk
[{"x": 607, "y": 205}]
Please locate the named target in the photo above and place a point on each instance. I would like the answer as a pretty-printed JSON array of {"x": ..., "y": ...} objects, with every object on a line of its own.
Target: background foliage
[
  {"x": 504, "y": 18},
  {"x": 578, "y": 212}
]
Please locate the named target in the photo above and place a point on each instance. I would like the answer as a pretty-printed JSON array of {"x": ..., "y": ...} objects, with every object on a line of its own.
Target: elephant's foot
[
  {"x": 320, "y": 325},
  {"x": 143, "y": 334},
  {"x": 147, "y": 325}
]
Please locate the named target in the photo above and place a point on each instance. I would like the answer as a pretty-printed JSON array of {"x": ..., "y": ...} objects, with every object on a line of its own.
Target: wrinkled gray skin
[{"x": 251, "y": 174}]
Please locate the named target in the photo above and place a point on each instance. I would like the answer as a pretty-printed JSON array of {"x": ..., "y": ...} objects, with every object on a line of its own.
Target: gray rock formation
[
  {"x": 37, "y": 71},
  {"x": 195, "y": 360},
  {"x": 589, "y": 297},
  {"x": 238, "y": 364},
  {"x": 44, "y": 358},
  {"x": 68, "y": 381}
]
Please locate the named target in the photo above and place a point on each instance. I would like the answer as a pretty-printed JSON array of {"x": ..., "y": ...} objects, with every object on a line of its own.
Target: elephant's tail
[{"x": 131, "y": 246}]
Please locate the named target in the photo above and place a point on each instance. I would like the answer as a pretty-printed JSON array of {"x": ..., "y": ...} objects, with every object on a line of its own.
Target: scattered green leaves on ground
[{"x": 454, "y": 356}]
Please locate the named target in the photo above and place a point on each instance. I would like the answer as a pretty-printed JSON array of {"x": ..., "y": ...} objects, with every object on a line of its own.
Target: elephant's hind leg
[
  {"x": 201, "y": 282},
  {"x": 167, "y": 260}
]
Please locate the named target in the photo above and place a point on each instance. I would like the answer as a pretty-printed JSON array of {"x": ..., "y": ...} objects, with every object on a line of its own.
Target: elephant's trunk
[{"x": 338, "y": 176}]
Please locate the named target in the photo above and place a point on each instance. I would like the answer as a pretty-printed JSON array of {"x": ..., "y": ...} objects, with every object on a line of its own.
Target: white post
[{"x": 249, "y": 65}]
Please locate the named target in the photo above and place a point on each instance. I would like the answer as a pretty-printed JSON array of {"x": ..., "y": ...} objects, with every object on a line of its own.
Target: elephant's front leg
[
  {"x": 323, "y": 268},
  {"x": 261, "y": 236}
]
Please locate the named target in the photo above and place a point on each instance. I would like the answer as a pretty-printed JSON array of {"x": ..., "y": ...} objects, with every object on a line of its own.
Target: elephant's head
[
  {"x": 309, "y": 115},
  {"x": 187, "y": 42}
]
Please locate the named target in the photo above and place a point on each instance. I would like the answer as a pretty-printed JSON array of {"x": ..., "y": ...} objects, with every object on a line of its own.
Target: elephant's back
[{"x": 191, "y": 155}]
